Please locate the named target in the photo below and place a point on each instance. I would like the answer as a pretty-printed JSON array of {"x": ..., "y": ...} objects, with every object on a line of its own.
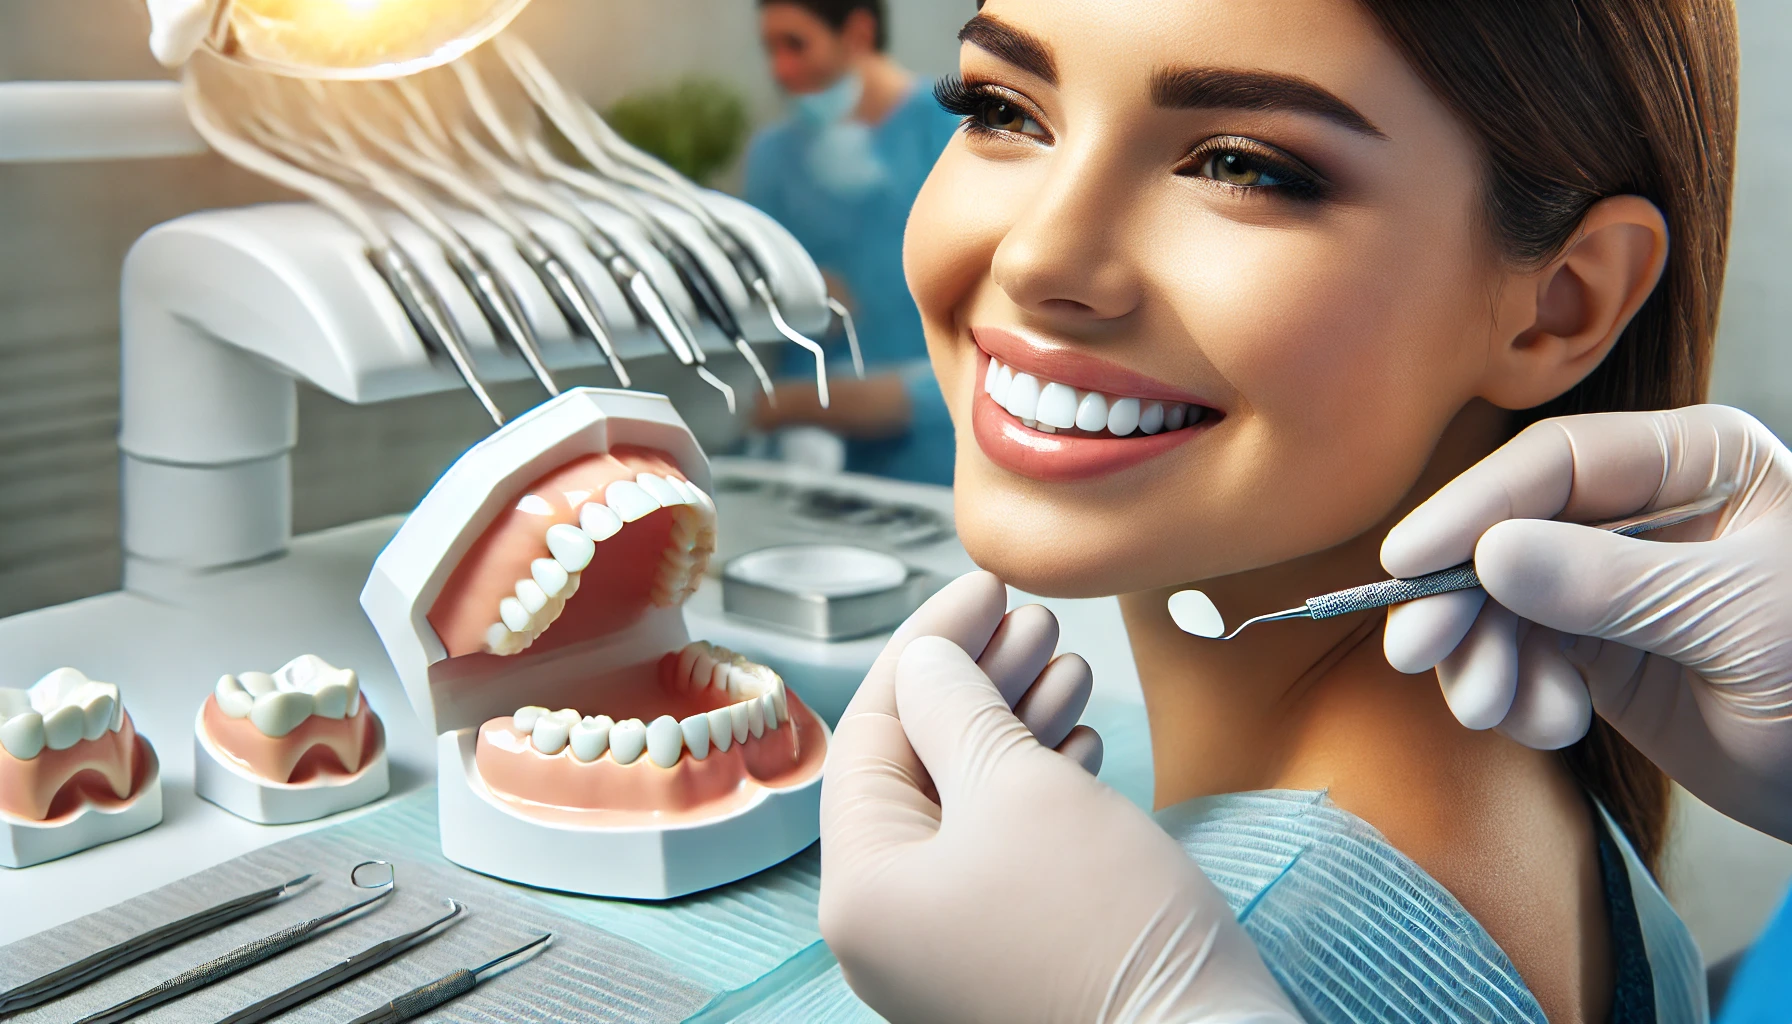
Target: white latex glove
[
  {"x": 177, "y": 27},
  {"x": 970, "y": 872},
  {"x": 1686, "y": 648}
]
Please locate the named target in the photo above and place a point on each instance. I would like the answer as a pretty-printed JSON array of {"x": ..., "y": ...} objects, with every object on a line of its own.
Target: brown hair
[{"x": 1573, "y": 101}]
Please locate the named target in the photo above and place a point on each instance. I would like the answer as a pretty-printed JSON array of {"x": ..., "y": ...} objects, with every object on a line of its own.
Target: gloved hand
[
  {"x": 1686, "y": 648},
  {"x": 973, "y": 868}
]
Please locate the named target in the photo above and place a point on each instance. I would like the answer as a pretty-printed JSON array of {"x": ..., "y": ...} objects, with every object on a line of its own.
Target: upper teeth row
[
  {"x": 58, "y": 711},
  {"x": 665, "y": 739},
  {"x": 280, "y": 702},
  {"x": 538, "y": 601},
  {"x": 1050, "y": 406}
]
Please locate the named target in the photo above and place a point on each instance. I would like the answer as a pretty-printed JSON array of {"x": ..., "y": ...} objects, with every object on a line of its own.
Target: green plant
[{"x": 697, "y": 124}]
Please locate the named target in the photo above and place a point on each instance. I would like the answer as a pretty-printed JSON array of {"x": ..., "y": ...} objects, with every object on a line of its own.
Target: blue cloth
[
  {"x": 857, "y": 238},
  {"x": 1354, "y": 930},
  {"x": 1761, "y": 990}
]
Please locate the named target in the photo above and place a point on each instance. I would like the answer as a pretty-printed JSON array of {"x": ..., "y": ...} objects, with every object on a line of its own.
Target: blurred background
[{"x": 65, "y": 228}]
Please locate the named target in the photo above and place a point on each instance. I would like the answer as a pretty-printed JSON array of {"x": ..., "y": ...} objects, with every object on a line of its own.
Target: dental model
[
  {"x": 292, "y": 745},
  {"x": 547, "y": 569},
  {"x": 73, "y": 771}
]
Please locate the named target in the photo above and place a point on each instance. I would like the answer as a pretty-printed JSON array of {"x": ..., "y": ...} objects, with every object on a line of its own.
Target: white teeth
[
  {"x": 233, "y": 700},
  {"x": 590, "y": 738},
  {"x": 1023, "y": 397},
  {"x": 781, "y": 700},
  {"x": 1092, "y": 412},
  {"x": 738, "y": 722},
  {"x": 525, "y": 718},
  {"x": 1044, "y": 428},
  {"x": 755, "y": 717},
  {"x": 63, "y": 727},
  {"x": 628, "y": 738},
  {"x": 1057, "y": 405},
  {"x": 570, "y": 547},
  {"x": 330, "y": 701},
  {"x": 665, "y": 741},
  {"x": 1123, "y": 416},
  {"x": 23, "y": 735},
  {"x": 1175, "y": 416},
  {"x": 687, "y": 495},
  {"x": 531, "y": 595},
  {"x": 1151, "y": 418},
  {"x": 696, "y": 735},
  {"x": 280, "y": 712},
  {"x": 258, "y": 683},
  {"x": 687, "y": 663},
  {"x": 500, "y": 640},
  {"x": 598, "y": 522},
  {"x": 660, "y": 489},
  {"x": 629, "y": 500},
  {"x": 514, "y": 615},
  {"x": 989, "y": 377},
  {"x": 768, "y": 710},
  {"x": 721, "y": 728},
  {"x": 552, "y": 730},
  {"x": 1004, "y": 380},
  {"x": 550, "y": 576}
]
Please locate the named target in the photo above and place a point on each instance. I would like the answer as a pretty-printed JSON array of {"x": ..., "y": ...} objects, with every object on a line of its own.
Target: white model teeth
[
  {"x": 1049, "y": 406},
  {"x": 760, "y": 705},
  {"x": 538, "y": 601},
  {"x": 279, "y": 702},
  {"x": 58, "y": 711}
]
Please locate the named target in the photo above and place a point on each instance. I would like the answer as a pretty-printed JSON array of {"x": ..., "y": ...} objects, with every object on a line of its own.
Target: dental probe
[
  {"x": 242, "y": 957},
  {"x": 1194, "y": 612},
  {"x": 343, "y": 970},
  {"x": 59, "y": 982},
  {"x": 424, "y": 998}
]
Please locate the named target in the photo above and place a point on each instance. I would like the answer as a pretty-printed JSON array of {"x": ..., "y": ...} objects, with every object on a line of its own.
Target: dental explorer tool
[
  {"x": 244, "y": 956},
  {"x": 113, "y": 958},
  {"x": 1194, "y": 612},
  {"x": 424, "y": 998},
  {"x": 424, "y": 308},
  {"x": 344, "y": 970}
]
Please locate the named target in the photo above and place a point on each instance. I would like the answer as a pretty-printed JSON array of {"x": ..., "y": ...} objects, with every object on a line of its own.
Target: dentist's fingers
[
  {"x": 1480, "y": 678},
  {"x": 1083, "y": 746},
  {"x": 957, "y": 721},
  {"x": 1552, "y": 708},
  {"x": 1019, "y": 650},
  {"x": 1421, "y": 633},
  {"x": 966, "y": 611},
  {"x": 1056, "y": 700}
]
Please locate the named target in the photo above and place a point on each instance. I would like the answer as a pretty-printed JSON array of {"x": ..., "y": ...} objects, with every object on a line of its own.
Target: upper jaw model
[
  {"x": 73, "y": 771},
  {"x": 292, "y": 745},
  {"x": 531, "y": 605}
]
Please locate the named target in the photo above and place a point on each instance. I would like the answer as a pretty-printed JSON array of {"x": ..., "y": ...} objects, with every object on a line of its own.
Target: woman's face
[{"x": 1249, "y": 213}]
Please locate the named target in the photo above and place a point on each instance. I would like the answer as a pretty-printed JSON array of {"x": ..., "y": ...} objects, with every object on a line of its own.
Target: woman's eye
[
  {"x": 1003, "y": 116},
  {"x": 1233, "y": 167}
]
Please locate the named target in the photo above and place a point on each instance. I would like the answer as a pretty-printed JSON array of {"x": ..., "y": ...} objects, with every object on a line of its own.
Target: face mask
[{"x": 835, "y": 103}]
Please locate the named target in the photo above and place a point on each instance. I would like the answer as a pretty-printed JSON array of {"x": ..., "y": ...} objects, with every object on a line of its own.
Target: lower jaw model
[
  {"x": 73, "y": 771},
  {"x": 293, "y": 745},
  {"x": 532, "y": 607}
]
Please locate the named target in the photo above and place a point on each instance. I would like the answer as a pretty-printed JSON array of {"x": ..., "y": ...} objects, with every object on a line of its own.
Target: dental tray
[{"x": 546, "y": 570}]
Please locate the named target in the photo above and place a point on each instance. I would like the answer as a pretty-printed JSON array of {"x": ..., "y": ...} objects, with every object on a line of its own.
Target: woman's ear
[{"x": 1557, "y": 324}]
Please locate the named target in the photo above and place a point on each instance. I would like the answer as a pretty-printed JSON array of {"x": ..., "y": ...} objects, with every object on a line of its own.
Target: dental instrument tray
[{"x": 547, "y": 569}]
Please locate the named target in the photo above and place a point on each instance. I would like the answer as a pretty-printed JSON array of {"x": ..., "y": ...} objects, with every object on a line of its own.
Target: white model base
[
  {"x": 648, "y": 862},
  {"x": 216, "y": 777},
  {"x": 24, "y": 843}
]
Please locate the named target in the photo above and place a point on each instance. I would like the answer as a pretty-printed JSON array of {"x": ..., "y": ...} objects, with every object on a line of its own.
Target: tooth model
[
  {"x": 73, "y": 771},
  {"x": 532, "y": 607},
  {"x": 292, "y": 745}
]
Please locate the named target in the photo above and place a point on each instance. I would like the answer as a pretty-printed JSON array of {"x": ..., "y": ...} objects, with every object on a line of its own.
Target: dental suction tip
[{"x": 1193, "y": 612}]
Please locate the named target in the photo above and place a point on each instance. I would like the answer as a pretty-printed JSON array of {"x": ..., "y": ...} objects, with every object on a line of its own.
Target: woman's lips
[
  {"x": 1078, "y": 369},
  {"x": 1057, "y": 458}
]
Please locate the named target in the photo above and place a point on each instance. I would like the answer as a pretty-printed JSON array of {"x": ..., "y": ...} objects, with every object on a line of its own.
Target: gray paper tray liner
[{"x": 586, "y": 975}]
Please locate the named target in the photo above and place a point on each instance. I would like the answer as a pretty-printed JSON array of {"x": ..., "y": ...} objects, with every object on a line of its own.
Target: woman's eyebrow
[
  {"x": 1185, "y": 88},
  {"x": 1007, "y": 43}
]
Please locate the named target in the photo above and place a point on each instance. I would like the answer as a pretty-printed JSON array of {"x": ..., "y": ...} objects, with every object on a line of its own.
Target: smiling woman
[{"x": 1216, "y": 293}]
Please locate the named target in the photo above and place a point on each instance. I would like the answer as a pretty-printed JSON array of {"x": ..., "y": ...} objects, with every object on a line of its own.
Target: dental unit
[
  {"x": 293, "y": 745},
  {"x": 532, "y": 607},
  {"x": 74, "y": 773}
]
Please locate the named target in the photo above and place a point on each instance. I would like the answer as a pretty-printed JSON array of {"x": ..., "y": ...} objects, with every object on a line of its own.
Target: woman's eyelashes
[
  {"x": 988, "y": 110},
  {"x": 1247, "y": 165}
]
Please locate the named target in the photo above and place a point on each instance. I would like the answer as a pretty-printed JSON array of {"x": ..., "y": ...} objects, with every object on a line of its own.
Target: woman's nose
[{"x": 1063, "y": 255}]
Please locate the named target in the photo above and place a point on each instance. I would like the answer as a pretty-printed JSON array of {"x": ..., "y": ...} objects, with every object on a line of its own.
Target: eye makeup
[
  {"x": 1246, "y": 165},
  {"x": 988, "y": 110}
]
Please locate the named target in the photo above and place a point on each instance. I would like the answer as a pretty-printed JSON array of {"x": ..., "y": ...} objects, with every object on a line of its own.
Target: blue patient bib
[{"x": 1355, "y": 931}]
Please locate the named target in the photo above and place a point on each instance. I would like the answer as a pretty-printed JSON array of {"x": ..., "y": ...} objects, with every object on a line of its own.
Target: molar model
[
  {"x": 548, "y": 568},
  {"x": 73, "y": 771},
  {"x": 294, "y": 745}
]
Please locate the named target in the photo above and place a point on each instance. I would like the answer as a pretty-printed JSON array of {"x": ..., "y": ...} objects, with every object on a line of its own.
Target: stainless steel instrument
[{"x": 424, "y": 998}]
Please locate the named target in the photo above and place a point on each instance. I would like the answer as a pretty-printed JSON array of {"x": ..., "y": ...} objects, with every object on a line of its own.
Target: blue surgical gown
[{"x": 858, "y": 238}]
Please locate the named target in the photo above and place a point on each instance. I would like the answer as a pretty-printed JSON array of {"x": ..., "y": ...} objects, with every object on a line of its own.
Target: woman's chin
[{"x": 1052, "y": 568}]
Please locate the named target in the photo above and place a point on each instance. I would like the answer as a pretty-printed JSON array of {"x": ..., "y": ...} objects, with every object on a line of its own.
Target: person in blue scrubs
[{"x": 841, "y": 173}]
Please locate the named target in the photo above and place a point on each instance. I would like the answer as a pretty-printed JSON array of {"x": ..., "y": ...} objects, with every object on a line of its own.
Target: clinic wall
[{"x": 64, "y": 230}]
